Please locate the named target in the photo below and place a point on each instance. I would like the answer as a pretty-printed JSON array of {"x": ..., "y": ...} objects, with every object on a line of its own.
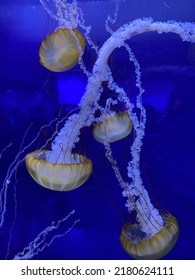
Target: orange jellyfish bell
[
  {"x": 60, "y": 50},
  {"x": 151, "y": 248},
  {"x": 113, "y": 128},
  {"x": 59, "y": 176}
]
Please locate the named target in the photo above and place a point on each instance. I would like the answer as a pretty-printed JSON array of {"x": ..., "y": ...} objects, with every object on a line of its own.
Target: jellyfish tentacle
[
  {"x": 148, "y": 217},
  {"x": 39, "y": 243},
  {"x": 66, "y": 14}
]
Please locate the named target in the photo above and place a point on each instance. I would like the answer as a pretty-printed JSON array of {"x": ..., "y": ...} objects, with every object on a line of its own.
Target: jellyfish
[
  {"x": 139, "y": 246},
  {"x": 114, "y": 127},
  {"x": 153, "y": 234},
  {"x": 62, "y": 49},
  {"x": 58, "y": 176}
]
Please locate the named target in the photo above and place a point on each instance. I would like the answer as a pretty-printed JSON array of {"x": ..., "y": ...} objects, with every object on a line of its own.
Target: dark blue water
[{"x": 31, "y": 94}]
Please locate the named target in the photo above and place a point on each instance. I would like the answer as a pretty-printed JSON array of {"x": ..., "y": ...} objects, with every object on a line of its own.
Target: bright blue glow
[
  {"x": 71, "y": 88},
  {"x": 158, "y": 97}
]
